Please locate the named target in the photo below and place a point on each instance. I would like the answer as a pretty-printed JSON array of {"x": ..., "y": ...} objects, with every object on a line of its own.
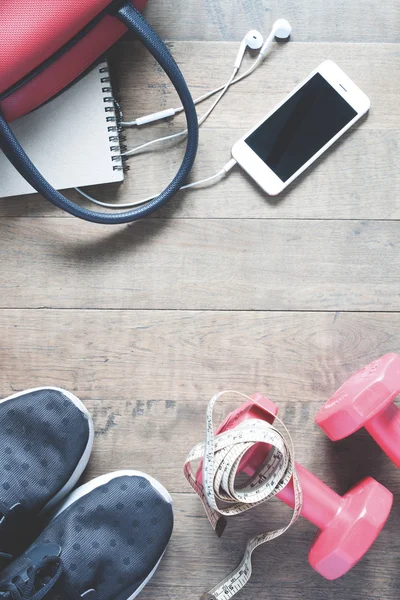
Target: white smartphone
[{"x": 301, "y": 128}]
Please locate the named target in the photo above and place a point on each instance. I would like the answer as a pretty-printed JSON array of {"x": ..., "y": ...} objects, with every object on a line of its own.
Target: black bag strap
[{"x": 133, "y": 19}]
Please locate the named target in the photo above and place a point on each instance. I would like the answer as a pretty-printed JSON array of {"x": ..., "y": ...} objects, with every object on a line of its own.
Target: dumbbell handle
[
  {"x": 385, "y": 429},
  {"x": 320, "y": 503}
]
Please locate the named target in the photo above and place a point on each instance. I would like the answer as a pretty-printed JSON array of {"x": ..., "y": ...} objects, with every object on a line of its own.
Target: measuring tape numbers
[{"x": 221, "y": 456}]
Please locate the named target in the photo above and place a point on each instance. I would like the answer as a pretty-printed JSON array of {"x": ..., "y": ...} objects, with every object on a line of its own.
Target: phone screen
[{"x": 301, "y": 127}]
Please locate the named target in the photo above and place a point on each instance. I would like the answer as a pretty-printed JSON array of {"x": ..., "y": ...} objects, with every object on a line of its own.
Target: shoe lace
[{"x": 47, "y": 580}]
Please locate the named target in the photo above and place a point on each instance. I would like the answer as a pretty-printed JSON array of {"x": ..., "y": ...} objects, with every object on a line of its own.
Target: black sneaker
[
  {"x": 105, "y": 543},
  {"x": 46, "y": 436}
]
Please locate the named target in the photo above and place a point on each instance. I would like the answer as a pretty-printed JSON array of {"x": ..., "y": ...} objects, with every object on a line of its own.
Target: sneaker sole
[
  {"x": 86, "y": 488},
  {"x": 81, "y": 466}
]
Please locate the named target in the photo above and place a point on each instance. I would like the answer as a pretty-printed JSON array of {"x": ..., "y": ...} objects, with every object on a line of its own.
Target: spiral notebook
[{"x": 73, "y": 140}]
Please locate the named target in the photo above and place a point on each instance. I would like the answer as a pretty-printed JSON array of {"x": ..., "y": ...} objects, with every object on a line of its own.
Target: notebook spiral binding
[{"x": 114, "y": 116}]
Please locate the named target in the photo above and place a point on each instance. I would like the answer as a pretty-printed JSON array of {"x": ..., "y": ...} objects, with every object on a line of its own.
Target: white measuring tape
[{"x": 221, "y": 455}]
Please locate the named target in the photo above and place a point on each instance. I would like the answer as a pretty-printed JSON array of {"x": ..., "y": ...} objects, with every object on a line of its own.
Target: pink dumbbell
[
  {"x": 348, "y": 525},
  {"x": 366, "y": 400}
]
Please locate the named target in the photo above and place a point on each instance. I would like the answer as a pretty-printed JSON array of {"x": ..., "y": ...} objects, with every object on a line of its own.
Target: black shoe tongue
[{"x": 15, "y": 529}]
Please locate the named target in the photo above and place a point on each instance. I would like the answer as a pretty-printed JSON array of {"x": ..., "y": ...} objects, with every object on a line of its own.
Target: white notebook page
[{"x": 68, "y": 139}]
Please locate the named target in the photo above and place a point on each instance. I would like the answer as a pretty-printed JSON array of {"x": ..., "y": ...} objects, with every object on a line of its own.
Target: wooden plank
[
  {"x": 147, "y": 377},
  {"x": 201, "y": 264},
  {"x": 124, "y": 358},
  {"x": 369, "y": 181},
  {"x": 368, "y": 186},
  {"x": 325, "y": 20},
  {"x": 357, "y": 179}
]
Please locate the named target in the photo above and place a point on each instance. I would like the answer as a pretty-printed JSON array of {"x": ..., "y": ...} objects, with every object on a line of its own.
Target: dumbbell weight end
[
  {"x": 366, "y": 400},
  {"x": 348, "y": 524},
  {"x": 363, "y": 512}
]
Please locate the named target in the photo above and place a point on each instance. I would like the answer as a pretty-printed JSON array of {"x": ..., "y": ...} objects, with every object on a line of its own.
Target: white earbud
[
  {"x": 253, "y": 40},
  {"x": 281, "y": 29}
]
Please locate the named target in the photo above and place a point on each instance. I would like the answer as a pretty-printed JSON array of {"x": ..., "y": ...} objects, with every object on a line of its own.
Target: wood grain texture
[
  {"x": 357, "y": 179},
  {"x": 226, "y": 288},
  {"x": 201, "y": 264},
  {"x": 312, "y": 20},
  {"x": 300, "y": 357},
  {"x": 147, "y": 377}
]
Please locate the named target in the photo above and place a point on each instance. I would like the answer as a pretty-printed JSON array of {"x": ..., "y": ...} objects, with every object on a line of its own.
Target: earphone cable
[
  {"x": 203, "y": 182},
  {"x": 208, "y": 180},
  {"x": 174, "y": 111},
  {"x": 204, "y": 97},
  {"x": 183, "y": 133}
]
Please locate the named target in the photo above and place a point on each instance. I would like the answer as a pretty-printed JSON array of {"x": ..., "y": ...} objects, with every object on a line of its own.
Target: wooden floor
[{"x": 226, "y": 288}]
